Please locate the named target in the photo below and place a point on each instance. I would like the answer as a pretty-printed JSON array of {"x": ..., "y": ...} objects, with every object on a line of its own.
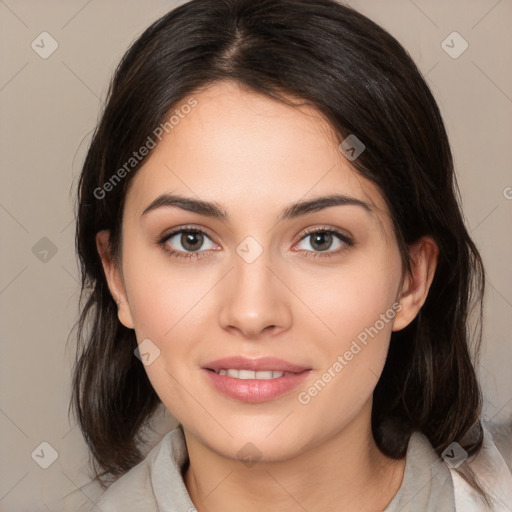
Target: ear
[
  {"x": 416, "y": 285},
  {"x": 114, "y": 278}
]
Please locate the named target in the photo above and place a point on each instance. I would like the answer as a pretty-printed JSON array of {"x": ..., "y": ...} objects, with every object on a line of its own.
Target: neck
[{"x": 346, "y": 472}]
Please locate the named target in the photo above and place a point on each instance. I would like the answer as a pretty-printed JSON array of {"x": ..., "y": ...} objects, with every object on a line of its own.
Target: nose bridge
[{"x": 254, "y": 298}]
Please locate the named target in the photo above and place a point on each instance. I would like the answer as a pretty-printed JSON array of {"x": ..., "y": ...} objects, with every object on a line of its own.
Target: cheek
[
  {"x": 165, "y": 296},
  {"x": 165, "y": 302},
  {"x": 352, "y": 297},
  {"x": 162, "y": 294},
  {"x": 358, "y": 306}
]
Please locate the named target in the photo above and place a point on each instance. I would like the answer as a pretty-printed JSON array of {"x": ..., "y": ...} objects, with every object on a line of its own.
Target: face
[{"x": 314, "y": 288}]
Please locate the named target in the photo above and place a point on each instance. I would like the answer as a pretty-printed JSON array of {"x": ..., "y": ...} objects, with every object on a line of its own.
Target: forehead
[{"x": 246, "y": 150}]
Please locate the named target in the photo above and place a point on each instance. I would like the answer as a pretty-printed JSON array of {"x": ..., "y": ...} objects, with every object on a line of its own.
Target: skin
[{"x": 255, "y": 156}]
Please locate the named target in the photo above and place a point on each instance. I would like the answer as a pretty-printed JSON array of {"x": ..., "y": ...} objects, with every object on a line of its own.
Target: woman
[{"x": 272, "y": 247}]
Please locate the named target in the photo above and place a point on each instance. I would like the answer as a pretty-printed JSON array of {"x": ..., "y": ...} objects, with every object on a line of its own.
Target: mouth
[
  {"x": 254, "y": 380},
  {"x": 251, "y": 374},
  {"x": 256, "y": 365}
]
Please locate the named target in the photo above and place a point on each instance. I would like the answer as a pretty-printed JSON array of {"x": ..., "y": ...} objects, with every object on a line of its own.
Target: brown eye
[
  {"x": 187, "y": 243},
  {"x": 191, "y": 240},
  {"x": 323, "y": 240}
]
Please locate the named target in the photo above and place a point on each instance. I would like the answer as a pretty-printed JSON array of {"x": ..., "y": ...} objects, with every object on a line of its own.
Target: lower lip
[{"x": 255, "y": 390}]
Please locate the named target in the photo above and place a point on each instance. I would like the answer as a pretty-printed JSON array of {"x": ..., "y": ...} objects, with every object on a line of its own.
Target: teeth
[{"x": 250, "y": 374}]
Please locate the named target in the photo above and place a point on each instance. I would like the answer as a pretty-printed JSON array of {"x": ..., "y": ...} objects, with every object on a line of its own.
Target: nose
[{"x": 254, "y": 300}]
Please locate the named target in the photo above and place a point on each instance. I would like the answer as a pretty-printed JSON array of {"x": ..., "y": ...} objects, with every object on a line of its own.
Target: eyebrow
[{"x": 214, "y": 210}]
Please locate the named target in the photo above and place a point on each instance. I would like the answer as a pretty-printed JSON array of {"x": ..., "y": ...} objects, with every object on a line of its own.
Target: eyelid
[
  {"x": 326, "y": 228},
  {"x": 347, "y": 241},
  {"x": 178, "y": 255},
  {"x": 187, "y": 227}
]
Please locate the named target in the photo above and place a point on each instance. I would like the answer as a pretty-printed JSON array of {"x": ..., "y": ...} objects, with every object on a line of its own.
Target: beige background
[{"x": 48, "y": 109}]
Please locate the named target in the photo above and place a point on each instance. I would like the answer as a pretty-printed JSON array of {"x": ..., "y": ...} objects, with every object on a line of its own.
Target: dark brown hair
[{"x": 363, "y": 81}]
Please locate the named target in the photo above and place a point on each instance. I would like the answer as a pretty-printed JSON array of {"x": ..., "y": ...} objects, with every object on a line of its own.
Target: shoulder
[
  {"x": 132, "y": 491},
  {"x": 502, "y": 438},
  {"x": 492, "y": 467},
  {"x": 135, "y": 490}
]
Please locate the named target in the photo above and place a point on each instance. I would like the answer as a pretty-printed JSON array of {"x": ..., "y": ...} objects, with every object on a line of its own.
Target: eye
[
  {"x": 187, "y": 242},
  {"x": 322, "y": 239}
]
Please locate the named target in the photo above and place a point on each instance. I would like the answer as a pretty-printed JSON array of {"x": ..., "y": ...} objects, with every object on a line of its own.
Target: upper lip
[{"x": 256, "y": 364}]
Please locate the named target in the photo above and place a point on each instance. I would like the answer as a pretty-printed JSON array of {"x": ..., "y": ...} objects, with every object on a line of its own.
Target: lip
[{"x": 254, "y": 390}]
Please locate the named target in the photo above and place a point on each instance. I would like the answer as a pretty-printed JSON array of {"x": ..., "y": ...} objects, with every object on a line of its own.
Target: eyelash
[{"x": 180, "y": 255}]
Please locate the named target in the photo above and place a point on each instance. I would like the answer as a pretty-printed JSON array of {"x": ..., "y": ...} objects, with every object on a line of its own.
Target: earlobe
[
  {"x": 416, "y": 285},
  {"x": 114, "y": 278}
]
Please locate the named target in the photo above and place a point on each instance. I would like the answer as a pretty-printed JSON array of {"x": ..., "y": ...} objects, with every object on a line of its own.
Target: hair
[{"x": 354, "y": 73}]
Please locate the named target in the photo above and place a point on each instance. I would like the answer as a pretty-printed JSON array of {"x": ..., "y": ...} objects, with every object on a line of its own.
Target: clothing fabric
[{"x": 429, "y": 484}]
